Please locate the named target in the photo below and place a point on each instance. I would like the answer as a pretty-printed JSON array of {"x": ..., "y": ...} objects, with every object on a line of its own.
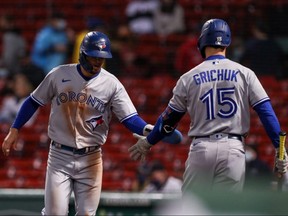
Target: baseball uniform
[
  {"x": 80, "y": 114},
  {"x": 217, "y": 94},
  {"x": 83, "y": 98}
]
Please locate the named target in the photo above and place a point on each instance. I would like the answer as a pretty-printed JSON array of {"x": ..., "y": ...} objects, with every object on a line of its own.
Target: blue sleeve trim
[
  {"x": 261, "y": 101},
  {"x": 135, "y": 124},
  {"x": 269, "y": 121},
  {"x": 177, "y": 110},
  {"x": 37, "y": 101},
  {"x": 26, "y": 111},
  {"x": 129, "y": 116}
]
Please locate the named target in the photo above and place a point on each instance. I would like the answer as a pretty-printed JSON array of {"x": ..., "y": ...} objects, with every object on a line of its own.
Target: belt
[
  {"x": 75, "y": 150},
  {"x": 230, "y": 136}
]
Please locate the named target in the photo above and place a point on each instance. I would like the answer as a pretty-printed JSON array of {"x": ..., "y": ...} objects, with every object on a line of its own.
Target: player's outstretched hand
[
  {"x": 140, "y": 149},
  {"x": 281, "y": 165},
  {"x": 9, "y": 140}
]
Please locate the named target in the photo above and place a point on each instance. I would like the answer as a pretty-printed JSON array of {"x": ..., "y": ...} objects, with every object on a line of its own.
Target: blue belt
[
  {"x": 75, "y": 150},
  {"x": 230, "y": 136}
]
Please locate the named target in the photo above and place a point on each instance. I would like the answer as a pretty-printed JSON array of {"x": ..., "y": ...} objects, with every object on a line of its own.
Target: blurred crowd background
[{"x": 153, "y": 43}]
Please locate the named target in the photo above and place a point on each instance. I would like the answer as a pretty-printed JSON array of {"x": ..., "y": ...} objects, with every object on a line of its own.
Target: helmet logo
[
  {"x": 218, "y": 41},
  {"x": 101, "y": 45}
]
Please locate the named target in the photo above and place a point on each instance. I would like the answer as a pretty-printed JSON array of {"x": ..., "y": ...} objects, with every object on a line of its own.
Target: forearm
[
  {"x": 155, "y": 135},
  {"x": 135, "y": 124},
  {"x": 26, "y": 111},
  {"x": 165, "y": 125},
  {"x": 269, "y": 121}
]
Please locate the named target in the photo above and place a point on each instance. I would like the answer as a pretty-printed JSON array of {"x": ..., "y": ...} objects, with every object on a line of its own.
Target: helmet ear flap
[
  {"x": 201, "y": 49},
  {"x": 84, "y": 63}
]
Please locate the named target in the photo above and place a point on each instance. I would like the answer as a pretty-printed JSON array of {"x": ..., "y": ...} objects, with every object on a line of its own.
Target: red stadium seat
[{"x": 150, "y": 96}]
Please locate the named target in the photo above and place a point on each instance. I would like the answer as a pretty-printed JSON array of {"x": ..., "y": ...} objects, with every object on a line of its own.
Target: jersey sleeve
[
  {"x": 44, "y": 93},
  {"x": 121, "y": 104},
  {"x": 178, "y": 101},
  {"x": 257, "y": 93}
]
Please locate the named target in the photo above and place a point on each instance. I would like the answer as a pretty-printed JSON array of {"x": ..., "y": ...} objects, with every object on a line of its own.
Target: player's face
[{"x": 96, "y": 62}]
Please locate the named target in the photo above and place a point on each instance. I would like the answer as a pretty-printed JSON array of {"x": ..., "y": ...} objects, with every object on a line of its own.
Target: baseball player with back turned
[
  {"x": 82, "y": 97},
  {"x": 217, "y": 94}
]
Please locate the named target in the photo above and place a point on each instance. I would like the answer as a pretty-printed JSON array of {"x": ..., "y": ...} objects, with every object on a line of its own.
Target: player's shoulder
[
  {"x": 189, "y": 74},
  {"x": 108, "y": 75},
  {"x": 68, "y": 66},
  {"x": 64, "y": 68},
  {"x": 241, "y": 68}
]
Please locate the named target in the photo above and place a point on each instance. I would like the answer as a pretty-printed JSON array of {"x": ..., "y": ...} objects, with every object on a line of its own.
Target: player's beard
[
  {"x": 96, "y": 69},
  {"x": 91, "y": 73}
]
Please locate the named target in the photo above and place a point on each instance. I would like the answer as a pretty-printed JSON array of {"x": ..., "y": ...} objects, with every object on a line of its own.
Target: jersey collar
[
  {"x": 213, "y": 57},
  {"x": 83, "y": 76}
]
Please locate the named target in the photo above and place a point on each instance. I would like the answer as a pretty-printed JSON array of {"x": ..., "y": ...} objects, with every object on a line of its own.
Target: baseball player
[
  {"x": 83, "y": 98},
  {"x": 217, "y": 94}
]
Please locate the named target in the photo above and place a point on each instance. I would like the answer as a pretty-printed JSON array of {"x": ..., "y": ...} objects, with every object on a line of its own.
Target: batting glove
[
  {"x": 140, "y": 149},
  {"x": 281, "y": 165}
]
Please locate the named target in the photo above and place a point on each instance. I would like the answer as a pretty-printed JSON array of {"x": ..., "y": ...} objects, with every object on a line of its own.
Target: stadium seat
[{"x": 150, "y": 96}]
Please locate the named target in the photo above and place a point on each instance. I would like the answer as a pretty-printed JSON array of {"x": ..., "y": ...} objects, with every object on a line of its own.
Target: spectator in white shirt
[
  {"x": 140, "y": 14},
  {"x": 169, "y": 18},
  {"x": 161, "y": 182}
]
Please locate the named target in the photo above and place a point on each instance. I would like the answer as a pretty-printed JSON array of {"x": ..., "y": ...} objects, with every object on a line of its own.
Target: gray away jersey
[
  {"x": 218, "y": 94},
  {"x": 82, "y": 110}
]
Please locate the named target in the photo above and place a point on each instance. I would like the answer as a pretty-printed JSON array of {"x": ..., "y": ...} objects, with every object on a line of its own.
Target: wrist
[
  {"x": 14, "y": 130},
  {"x": 147, "y": 129},
  {"x": 148, "y": 143}
]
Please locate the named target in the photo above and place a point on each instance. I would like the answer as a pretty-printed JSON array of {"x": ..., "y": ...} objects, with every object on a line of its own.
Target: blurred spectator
[
  {"x": 126, "y": 60},
  {"x": 51, "y": 45},
  {"x": 92, "y": 24},
  {"x": 4, "y": 87},
  {"x": 237, "y": 47},
  {"x": 142, "y": 174},
  {"x": 160, "y": 181},
  {"x": 14, "y": 44},
  {"x": 187, "y": 55},
  {"x": 169, "y": 18},
  {"x": 23, "y": 84},
  {"x": 262, "y": 54},
  {"x": 140, "y": 16},
  {"x": 256, "y": 169}
]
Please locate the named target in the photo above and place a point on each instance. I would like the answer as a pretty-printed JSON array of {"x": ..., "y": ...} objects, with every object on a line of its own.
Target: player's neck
[
  {"x": 210, "y": 51},
  {"x": 85, "y": 74}
]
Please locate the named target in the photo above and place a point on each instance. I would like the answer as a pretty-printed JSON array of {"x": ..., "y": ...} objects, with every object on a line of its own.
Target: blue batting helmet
[
  {"x": 215, "y": 32},
  {"x": 94, "y": 44}
]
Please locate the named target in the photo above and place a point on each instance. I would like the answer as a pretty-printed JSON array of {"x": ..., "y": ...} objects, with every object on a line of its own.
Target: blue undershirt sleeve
[
  {"x": 155, "y": 135},
  {"x": 168, "y": 119},
  {"x": 269, "y": 121},
  {"x": 135, "y": 124},
  {"x": 26, "y": 111}
]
